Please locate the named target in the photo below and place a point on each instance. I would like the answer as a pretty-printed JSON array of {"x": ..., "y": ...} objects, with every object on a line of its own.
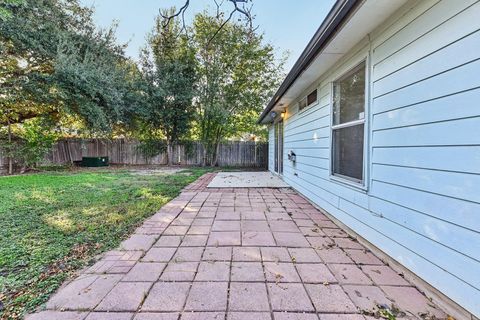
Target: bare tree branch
[
  {"x": 219, "y": 5},
  {"x": 243, "y": 10},
  {"x": 181, "y": 11}
]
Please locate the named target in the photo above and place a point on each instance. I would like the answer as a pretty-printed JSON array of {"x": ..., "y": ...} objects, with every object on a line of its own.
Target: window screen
[{"x": 348, "y": 152}]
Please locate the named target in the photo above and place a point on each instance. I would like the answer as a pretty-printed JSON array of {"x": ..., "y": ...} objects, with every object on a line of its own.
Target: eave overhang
[{"x": 347, "y": 23}]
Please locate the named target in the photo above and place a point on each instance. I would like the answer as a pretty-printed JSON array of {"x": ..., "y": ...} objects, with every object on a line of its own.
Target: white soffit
[{"x": 370, "y": 15}]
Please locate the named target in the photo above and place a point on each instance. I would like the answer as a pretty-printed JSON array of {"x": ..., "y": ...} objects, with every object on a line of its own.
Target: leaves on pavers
[
  {"x": 384, "y": 311},
  {"x": 330, "y": 245},
  {"x": 278, "y": 277}
]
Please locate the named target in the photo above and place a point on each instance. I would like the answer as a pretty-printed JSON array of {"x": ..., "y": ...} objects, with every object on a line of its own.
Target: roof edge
[{"x": 337, "y": 15}]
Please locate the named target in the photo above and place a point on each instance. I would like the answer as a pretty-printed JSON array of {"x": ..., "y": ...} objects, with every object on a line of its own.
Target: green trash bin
[{"x": 94, "y": 161}]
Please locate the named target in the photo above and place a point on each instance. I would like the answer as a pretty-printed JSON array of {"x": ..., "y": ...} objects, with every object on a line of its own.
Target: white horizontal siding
[
  {"x": 319, "y": 176},
  {"x": 462, "y": 213},
  {"x": 308, "y": 144},
  {"x": 464, "y": 77},
  {"x": 448, "y": 133},
  {"x": 448, "y": 234},
  {"x": 459, "y": 52},
  {"x": 446, "y": 22},
  {"x": 437, "y": 110},
  {"x": 422, "y": 206},
  {"x": 465, "y": 159},
  {"x": 464, "y": 186},
  {"x": 308, "y": 129}
]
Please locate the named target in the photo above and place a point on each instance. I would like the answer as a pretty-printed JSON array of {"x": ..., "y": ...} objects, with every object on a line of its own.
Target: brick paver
[
  {"x": 349, "y": 274},
  {"x": 126, "y": 296},
  {"x": 246, "y": 254},
  {"x": 207, "y": 296},
  {"x": 289, "y": 297},
  {"x": 166, "y": 296},
  {"x": 247, "y": 271},
  {"x": 110, "y": 316},
  {"x": 236, "y": 254}
]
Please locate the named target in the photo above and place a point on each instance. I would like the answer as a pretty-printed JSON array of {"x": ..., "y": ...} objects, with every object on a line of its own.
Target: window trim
[
  {"x": 348, "y": 124},
  {"x": 278, "y": 159},
  {"x": 339, "y": 178},
  {"x": 305, "y": 97}
]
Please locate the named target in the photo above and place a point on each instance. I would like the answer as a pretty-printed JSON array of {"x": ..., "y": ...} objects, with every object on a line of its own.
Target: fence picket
[{"x": 126, "y": 152}]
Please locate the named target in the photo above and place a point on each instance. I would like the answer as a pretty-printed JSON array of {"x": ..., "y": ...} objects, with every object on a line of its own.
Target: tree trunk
[
  {"x": 169, "y": 153},
  {"x": 204, "y": 156},
  {"x": 215, "y": 154},
  {"x": 216, "y": 148},
  {"x": 10, "y": 159}
]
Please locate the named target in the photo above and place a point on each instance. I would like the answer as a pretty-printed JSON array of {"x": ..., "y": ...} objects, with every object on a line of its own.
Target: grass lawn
[{"x": 55, "y": 222}]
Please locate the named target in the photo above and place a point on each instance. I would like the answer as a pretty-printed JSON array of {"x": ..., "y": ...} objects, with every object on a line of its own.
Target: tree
[
  {"x": 241, "y": 7},
  {"x": 53, "y": 59},
  {"x": 96, "y": 81},
  {"x": 168, "y": 64},
  {"x": 238, "y": 73},
  {"x": 5, "y": 9},
  {"x": 32, "y": 141}
]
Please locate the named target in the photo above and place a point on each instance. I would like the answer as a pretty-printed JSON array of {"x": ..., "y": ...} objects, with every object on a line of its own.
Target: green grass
[{"x": 54, "y": 223}]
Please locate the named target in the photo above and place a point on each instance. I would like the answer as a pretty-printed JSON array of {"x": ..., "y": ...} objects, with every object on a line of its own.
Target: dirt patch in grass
[{"x": 158, "y": 171}]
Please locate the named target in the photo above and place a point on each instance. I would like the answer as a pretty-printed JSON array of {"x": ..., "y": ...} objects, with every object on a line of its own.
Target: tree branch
[
  {"x": 181, "y": 11},
  {"x": 243, "y": 9}
]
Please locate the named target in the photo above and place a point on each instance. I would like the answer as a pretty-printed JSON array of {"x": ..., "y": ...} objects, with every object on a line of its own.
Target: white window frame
[
  {"x": 279, "y": 159},
  {"x": 335, "y": 177},
  {"x": 307, "y": 106}
]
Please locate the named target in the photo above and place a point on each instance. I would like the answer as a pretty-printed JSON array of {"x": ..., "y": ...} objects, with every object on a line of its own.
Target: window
[
  {"x": 348, "y": 124},
  {"x": 312, "y": 97},
  {"x": 308, "y": 100}
]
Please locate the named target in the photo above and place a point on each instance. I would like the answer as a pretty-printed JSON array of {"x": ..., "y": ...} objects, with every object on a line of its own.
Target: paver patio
[{"x": 255, "y": 253}]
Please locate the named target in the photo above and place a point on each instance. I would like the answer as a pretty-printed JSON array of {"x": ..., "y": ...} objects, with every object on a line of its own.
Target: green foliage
[
  {"x": 168, "y": 66},
  {"x": 38, "y": 139},
  {"x": 238, "y": 74},
  {"x": 6, "y": 8},
  {"x": 28, "y": 45},
  {"x": 54, "y": 60},
  {"x": 189, "y": 147},
  {"x": 30, "y": 142},
  {"x": 151, "y": 147},
  {"x": 95, "y": 80},
  {"x": 55, "y": 223}
]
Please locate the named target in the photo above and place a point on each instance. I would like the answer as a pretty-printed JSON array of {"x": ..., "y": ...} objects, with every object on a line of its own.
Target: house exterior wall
[{"x": 421, "y": 201}]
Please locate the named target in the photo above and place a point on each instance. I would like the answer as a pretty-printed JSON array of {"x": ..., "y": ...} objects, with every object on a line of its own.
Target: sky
[{"x": 287, "y": 24}]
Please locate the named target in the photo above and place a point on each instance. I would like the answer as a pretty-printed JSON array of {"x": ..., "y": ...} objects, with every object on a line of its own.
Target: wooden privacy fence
[{"x": 130, "y": 152}]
